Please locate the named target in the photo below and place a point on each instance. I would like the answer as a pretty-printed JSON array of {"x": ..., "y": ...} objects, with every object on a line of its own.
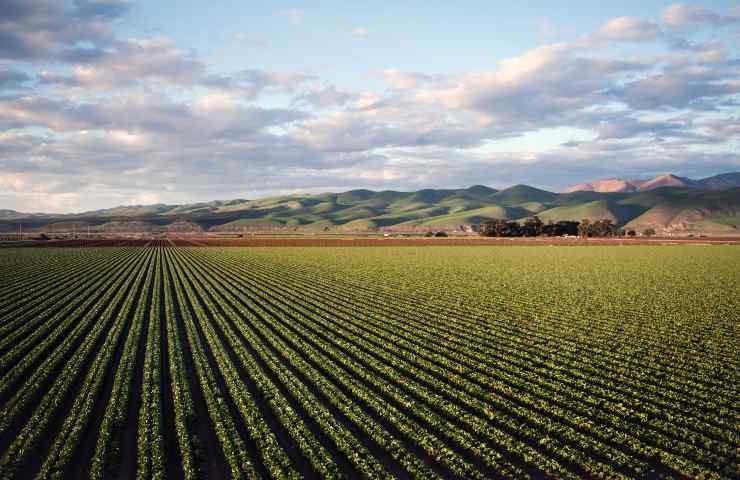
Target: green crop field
[{"x": 380, "y": 362}]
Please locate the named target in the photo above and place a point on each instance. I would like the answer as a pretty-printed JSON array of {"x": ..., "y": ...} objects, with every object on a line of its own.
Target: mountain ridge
[
  {"x": 715, "y": 182},
  {"x": 670, "y": 208}
]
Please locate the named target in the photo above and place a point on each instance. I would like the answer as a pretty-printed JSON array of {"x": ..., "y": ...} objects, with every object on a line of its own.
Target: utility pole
[{"x": 20, "y": 231}]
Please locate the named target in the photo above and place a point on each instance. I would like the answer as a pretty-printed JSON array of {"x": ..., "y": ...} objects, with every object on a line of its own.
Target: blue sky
[
  {"x": 108, "y": 102},
  {"x": 438, "y": 36}
]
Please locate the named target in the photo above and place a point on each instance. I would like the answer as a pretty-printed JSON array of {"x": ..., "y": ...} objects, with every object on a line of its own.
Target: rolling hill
[
  {"x": 717, "y": 182},
  {"x": 709, "y": 205}
]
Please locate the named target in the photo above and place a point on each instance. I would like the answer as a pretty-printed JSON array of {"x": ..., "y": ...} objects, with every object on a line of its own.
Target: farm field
[{"x": 427, "y": 362}]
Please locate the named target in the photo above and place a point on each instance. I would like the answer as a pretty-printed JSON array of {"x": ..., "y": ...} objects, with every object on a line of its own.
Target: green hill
[
  {"x": 617, "y": 212},
  {"x": 520, "y": 194},
  {"x": 712, "y": 211},
  {"x": 665, "y": 209}
]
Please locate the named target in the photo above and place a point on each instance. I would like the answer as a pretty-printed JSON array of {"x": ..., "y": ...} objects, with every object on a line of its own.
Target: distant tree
[
  {"x": 493, "y": 228},
  {"x": 500, "y": 228},
  {"x": 648, "y": 232},
  {"x": 568, "y": 227},
  {"x": 429, "y": 234},
  {"x": 563, "y": 227},
  {"x": 532, "y": 227},
  {"x": 440, "y": 234},
  {"x": 512, "y": 229},
  {"x": 549, "y": 229},
  {"x": 602, "y": 228},
  {"x": 631, "y": 233},
  {"x": 584, "y": 228}
]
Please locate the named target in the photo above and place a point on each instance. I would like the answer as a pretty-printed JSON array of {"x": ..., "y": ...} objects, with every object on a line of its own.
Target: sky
[{"x": 120, "y": 102}]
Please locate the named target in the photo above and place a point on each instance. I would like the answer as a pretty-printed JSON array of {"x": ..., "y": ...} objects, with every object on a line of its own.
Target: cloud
[
  {"x": 45, "y": 29},
  {"x": 405, "y": 80},
  {"x": 360, "y": 32},
  {"x": 294, "y": 16},
  {"x": 102, "y": 8},
  {"x": 85, "y": 114},
  {"x": 246, "y": 39},
  {"x": 627, "y": 29},
  {"x": 683, "y": 85},
  {"x": 251, "y": 83},
  {"x": 665, "y": 91},
  {"x": 13, "y": 79},
  {"x": 13, "y": 183},
  {"x": 546, "y": 86},
  {"x": 209, "y": 118},
  {"x": 142, "y": 61},
  {"x": 322, "y": 97},
  {"x": 155, "y": 61},
  {"x": 683, "y": 16}
]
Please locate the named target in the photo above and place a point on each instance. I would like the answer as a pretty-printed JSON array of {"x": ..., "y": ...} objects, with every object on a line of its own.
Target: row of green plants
[
  {"x": 377, "y": 363},
  {"x": 392, "y": 370},
  {"x": 708, "y": 443},
  {"x": 100, "y": 325},
  {"x": 455, "y": 353}
]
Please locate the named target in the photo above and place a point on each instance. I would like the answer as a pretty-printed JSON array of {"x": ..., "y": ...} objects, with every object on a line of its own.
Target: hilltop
[
  {"x": 708, "y": 205},
  {"x": 716, "y": 182}
]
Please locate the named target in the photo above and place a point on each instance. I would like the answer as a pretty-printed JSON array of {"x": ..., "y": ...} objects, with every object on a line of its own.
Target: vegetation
[
  {"x": 396, "y": 362},
  {"x": 533, "y": 227},
  {"x": 685, "y": 209}
]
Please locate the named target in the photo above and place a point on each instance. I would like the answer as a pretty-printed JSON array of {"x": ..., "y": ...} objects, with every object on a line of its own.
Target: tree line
[{"x": 534, "y": 227}]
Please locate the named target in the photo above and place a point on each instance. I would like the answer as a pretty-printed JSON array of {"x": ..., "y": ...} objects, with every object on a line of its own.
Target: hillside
[
  {"x": 671, "y": 208},
  {"x": 612, "y": 185},
  {"x": 711, "y": 212}
]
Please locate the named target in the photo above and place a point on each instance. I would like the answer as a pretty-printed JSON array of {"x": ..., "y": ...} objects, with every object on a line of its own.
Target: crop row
[{"x": 168, "y": 362}]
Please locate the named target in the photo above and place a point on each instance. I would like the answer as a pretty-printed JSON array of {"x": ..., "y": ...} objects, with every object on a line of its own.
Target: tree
[
  {"x": 563, "y": 227},
  {"x": 648, "y": 232},
  {"x": 500, "y": 228},
  {"x": 533, "y": 227},
  {"x": 584, "y": 228},
  {"x": 602, "y": 228},
  {"x": 493, "y": 228},
  {"x": 631, "y": 233},
  {"x": 440, "y": 234},
  {"x": 512, "y": 229}
]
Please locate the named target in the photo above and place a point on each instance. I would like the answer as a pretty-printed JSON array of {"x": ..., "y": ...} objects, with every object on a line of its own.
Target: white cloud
[
  {"x": 360, "y": 32},
  {"x": 683, "y": 16},
  {"x": 628, "y": 29},
  {"x": 404, "y": 80},
  {"x": 294, "y": 16},
  {"x": 12, "y": 182},
  {"x": 324, "y": 96},
  {"x": 47, "y": 29},
  {"x": 144, "y": 199},
  {"x": 145, "y": 120}
]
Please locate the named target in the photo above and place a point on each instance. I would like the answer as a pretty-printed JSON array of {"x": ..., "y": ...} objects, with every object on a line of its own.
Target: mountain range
[
  {"x": 716, "y": 182},
  {"x": 667, "y": 203}
]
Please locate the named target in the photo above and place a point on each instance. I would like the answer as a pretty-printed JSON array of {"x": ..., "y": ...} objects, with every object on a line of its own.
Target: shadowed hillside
[{"x": 666, "y": 208}]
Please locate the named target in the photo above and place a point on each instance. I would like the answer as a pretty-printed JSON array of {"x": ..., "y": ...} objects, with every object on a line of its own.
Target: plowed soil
[{"x": 371, "y": 242}]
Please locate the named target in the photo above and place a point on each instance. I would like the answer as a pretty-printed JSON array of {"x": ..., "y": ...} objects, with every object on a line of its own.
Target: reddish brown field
[
  {"x": 474, "y": 241},
  {"x": 370, "y": 242}
]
